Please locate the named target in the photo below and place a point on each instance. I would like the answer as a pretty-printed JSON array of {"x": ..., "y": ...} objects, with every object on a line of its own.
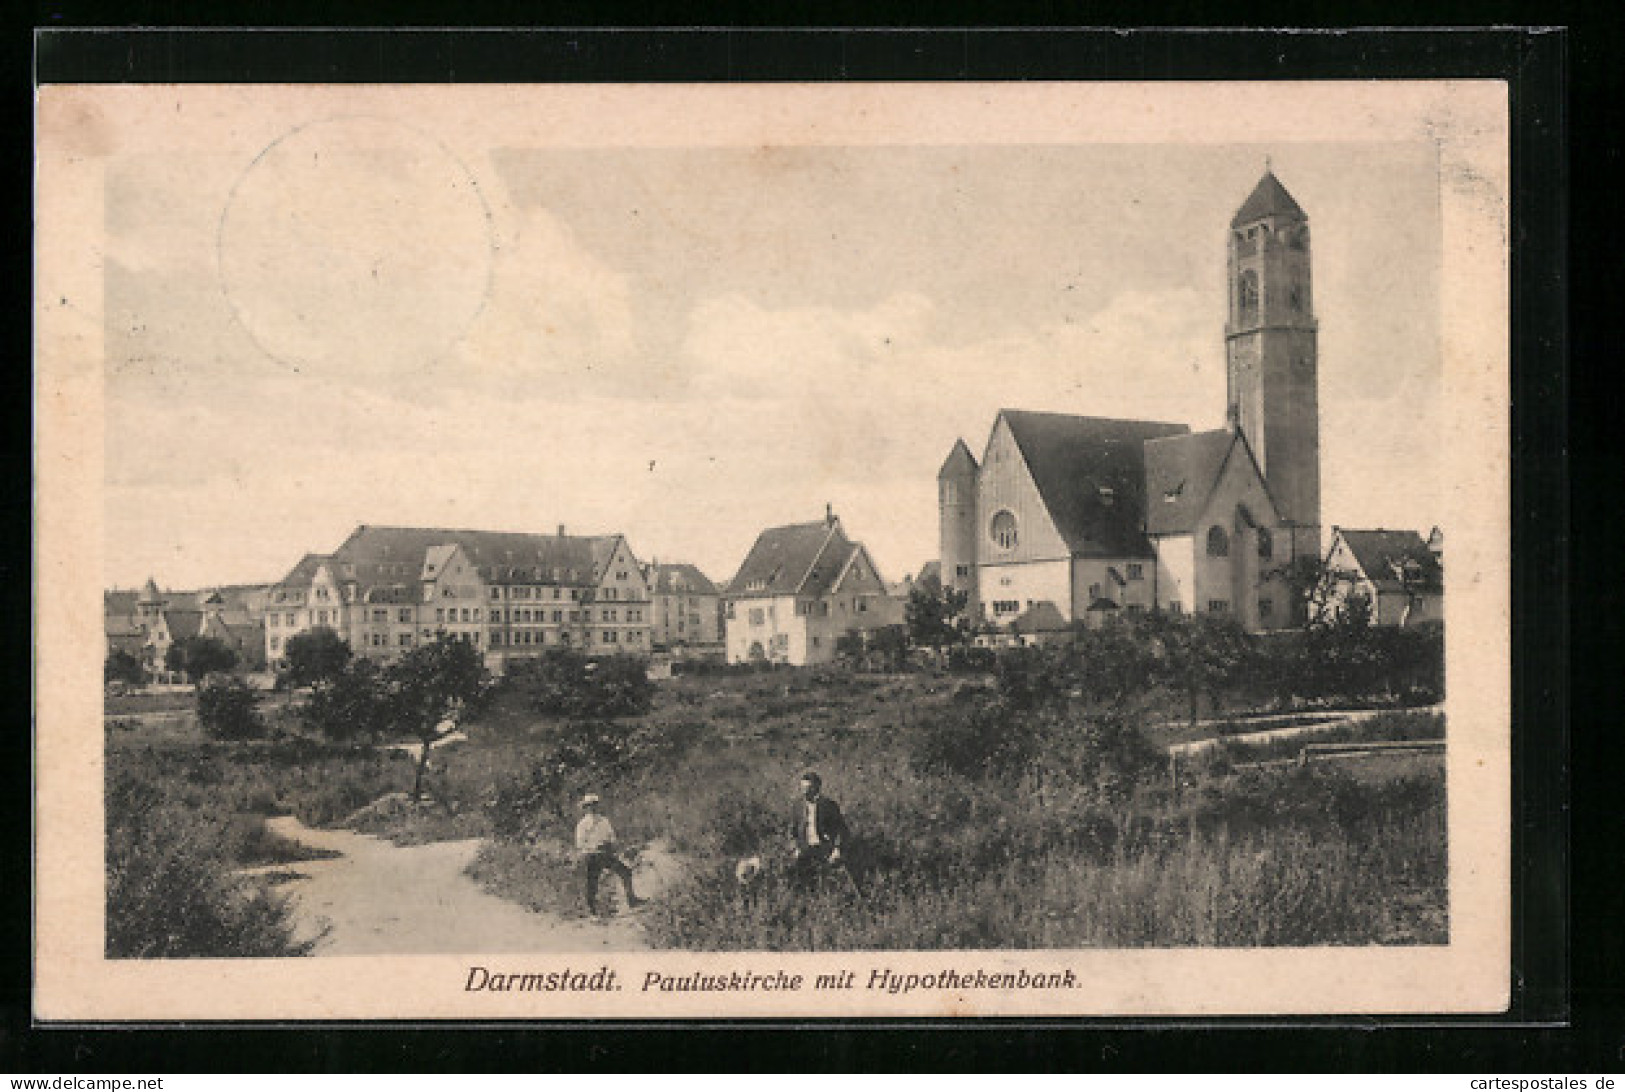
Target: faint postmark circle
[{"x": 356, "y": 244}]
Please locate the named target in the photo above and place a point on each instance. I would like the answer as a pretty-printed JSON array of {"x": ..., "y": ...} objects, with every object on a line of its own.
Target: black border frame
[{"x": 1535, "y": 64}]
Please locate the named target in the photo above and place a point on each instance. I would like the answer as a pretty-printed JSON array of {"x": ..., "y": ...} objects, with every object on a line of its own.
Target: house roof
[
  {"x": 1180, "y": 472},
  {"x": 960, "y": 462},
  {"x": 1042, "y": 617},
  {"x": 149, "y": 592},
  {"x": 798, "y": 558},
  {"x": 1090, "y": 472},
  {"x": 120, "y": 603},
  {"x": 1385, "y": 556},
  {"x": 1269, "y": 198},
  {"x": 672, "y": 577},
  {"x": 931, "y": 570},
  {"x": 182, "y": 623}
]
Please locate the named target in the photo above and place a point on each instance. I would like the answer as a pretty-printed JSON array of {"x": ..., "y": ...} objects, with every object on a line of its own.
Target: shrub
[
  {"x": 170, "y": 891},
  {"x": 122, "y": 667},
  {"x": 199, "y": 656},
  {"x": 228, "y": 710},
  {"x": 565, "y": 683}
]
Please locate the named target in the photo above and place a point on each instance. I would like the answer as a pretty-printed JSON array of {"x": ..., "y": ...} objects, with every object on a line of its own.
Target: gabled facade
[
  {"x": 799, "y": 589},
  {"x": 389, "y": 589},
  {"x": 1399, "y": 576},
  {"x": 146, "y": 623}
]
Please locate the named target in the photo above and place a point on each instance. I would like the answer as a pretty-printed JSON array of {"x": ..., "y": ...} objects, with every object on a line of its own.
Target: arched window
[
  {"x": 1218, "y": 543},
  {"x": 1247, "y": 295},
  {"x": 1003, "y": 529},
  {"x": 1266, "y": 544}
]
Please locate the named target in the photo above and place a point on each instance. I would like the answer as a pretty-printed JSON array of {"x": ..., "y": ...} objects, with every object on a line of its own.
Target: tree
[
  {"x": 428, "y": 684},
  {"x": 1315, "y": 589},
  {"x": 123, "y": 667},
  {"x": 199, "y": 656},
  {"x": 935, "y": 615},
  {"x": 314, "y": 658},
  {"x": 227, "y": 709},
  {"x": 353, "y": 705},
  {"x": 1201, "y": 654}
]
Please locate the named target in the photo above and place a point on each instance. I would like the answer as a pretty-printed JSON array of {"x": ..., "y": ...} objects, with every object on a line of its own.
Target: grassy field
[{"x": 1088, "y": 845}]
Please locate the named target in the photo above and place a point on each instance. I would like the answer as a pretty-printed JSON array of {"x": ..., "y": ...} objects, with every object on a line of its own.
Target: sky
[{"x": 372, "y": 320}]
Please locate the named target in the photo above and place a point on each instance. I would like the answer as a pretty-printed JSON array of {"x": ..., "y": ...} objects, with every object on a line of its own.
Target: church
[{"x": 1089, "y": 518}]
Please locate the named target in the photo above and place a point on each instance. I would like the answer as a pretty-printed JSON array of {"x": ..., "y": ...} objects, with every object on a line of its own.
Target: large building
[
  {"x": 389, "y": 589},
  {"x": 685, "y": 608},
  {"x": 1093, "y": 516},
  {"x": 801, "y": 587}
]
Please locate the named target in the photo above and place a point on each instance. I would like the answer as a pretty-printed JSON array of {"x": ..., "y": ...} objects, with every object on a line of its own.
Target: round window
[{"x": 1003, "y": 529}]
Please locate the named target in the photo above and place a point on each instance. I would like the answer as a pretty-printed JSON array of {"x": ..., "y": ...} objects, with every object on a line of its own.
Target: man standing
[
  {"x": 816, "y": 827},
  {"x": 595, "y": 841}
]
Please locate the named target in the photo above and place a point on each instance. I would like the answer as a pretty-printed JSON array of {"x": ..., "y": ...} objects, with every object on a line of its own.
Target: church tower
[
  {"x": 1270, "y": 349},
  {"x": 956, "y": 515}
]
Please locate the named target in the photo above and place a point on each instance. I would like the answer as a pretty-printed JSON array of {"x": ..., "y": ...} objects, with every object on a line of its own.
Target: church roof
[
  {"x": 1090, "y": 472},
  {"x": 959, "y": 463},
  {"x": 1269, "y": 198},
  {"x": 1180, "y": 472},
  {"x": 1388, "y": 557}
]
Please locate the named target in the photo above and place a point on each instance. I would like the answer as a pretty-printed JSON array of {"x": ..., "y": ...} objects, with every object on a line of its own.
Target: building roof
[
  {"x": 1090, "y": 472},
  {"x": 1390, "y": 558},
  {"x": 149, "y": 592},
  {"x": 1180, "y": 472},
  {"x": 391, "y": 558},
  {"x": 182, "y": 623},
  {"x": 1042, "y": 617},
  {"x": 798, "y": 558},
  {"x": 960, "y": 463},
  {"x": 931, "y": 570},
  {"x": 119, "y": 603},
  {"x": 1269, "y": 198},
  {"x": 671, "y": 578}
]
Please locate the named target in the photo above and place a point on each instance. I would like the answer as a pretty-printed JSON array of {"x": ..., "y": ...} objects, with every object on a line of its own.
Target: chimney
[
  {"x": 829, "y": 514},
  {"x": 561, "y": 530}
]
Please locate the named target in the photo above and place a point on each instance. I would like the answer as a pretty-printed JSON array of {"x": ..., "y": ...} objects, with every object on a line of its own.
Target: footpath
[{"x": 377, "y": 898}]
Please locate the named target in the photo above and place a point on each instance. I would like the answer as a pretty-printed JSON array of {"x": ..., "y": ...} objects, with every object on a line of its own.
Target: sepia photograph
[{"x": 713, "y": 551}]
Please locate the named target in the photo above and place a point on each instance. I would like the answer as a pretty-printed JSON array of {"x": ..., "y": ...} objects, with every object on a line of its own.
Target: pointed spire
[{"x": 1269, "y": 198}]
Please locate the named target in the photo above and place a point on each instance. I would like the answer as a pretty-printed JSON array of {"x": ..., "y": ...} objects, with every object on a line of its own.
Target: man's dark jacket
[{"x": 831, "y": 826}]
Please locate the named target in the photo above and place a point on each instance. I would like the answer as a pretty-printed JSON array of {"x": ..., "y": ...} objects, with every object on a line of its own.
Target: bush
[
  {"x": 564, "y": 683},
  {"x": 122, "y": 667},
  {"x": 228, "y": 710},
  {"x": 170, "y": 891}
]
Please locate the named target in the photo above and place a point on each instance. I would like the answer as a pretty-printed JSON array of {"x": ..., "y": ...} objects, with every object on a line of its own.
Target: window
[
  {"x": 731, "y": 610},
  {"x": 558, "y": 616},
  {"x": 1247, "y": 295},
  {"x": 1175, "y": 607},
  {"x": 275, "y": 619},
  {"x": 476, "y": 614},
  {"x": 276, "y": 643},
  {"x": 440, "y": 614},
  {"x": 496, "y": 637},
  {"x": 1218, "y": 543},
  {"x": 1218, "y": 606},
  {"x": 556, "y": 593},
  {"x": 1003, "y": 530},
  {"x": 1094, "y": 591},
  {"x": 405, "y": 616},
  {"x": 406, "y": 640},
  {"x": 1136, "y": 571},
  {"x": 465, "y": 614},
  {"x": 1266, "y": 608},
  {"x": 757, "y": 616},
  {"x": 1266, "y": 544},
  {"x": 961, "y": 570},
  {"x": 1135, "y": 608}
]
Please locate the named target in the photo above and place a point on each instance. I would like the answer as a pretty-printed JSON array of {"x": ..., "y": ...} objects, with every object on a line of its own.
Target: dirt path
[{"x": 380, "y": 898}]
